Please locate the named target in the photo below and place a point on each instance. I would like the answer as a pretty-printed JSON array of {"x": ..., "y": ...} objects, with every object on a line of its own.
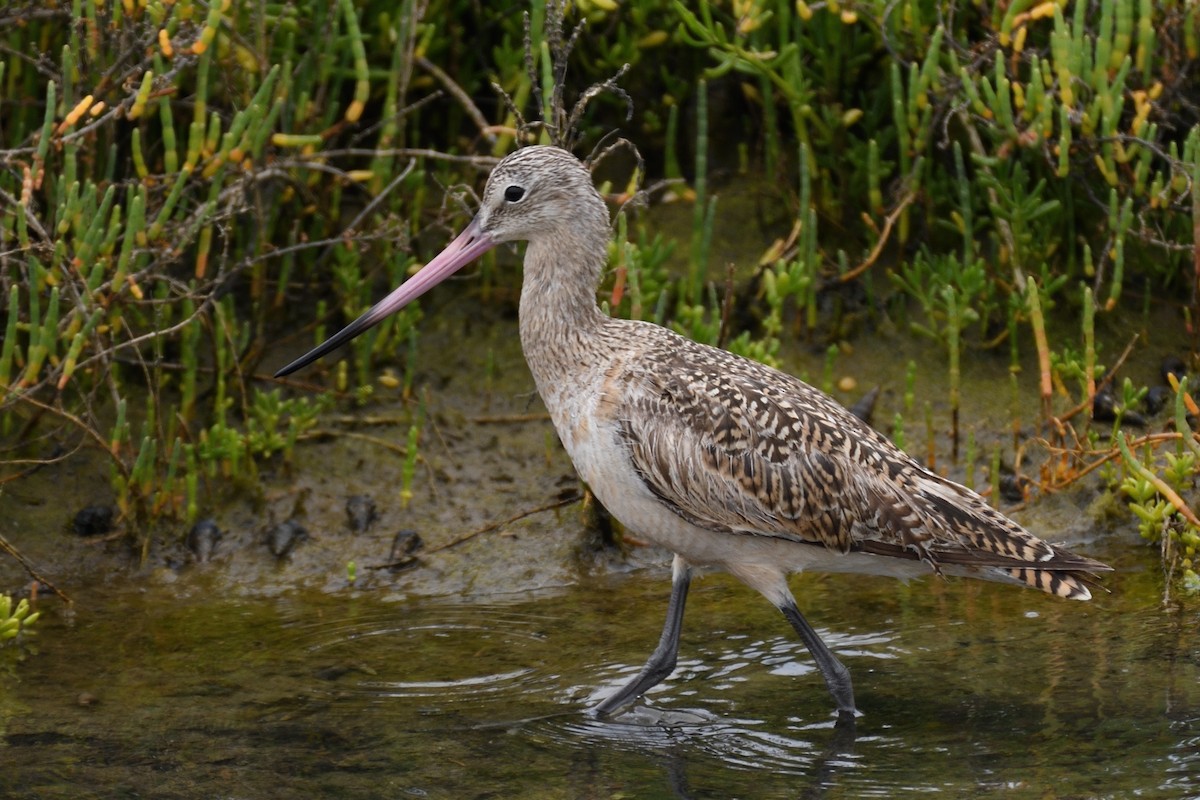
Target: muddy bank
[{"x": 488, "y": 454}]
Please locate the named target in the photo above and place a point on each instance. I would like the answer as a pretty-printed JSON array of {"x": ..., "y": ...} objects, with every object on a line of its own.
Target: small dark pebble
[
  {"x": 361, "y": 512},
  {"x": 283, "y": 538},
  {"x": 1104, "y": 406},
  {"x": 1157, "y": 398},
  {"x": 1012, "y": 487},
  {"x": 1173, "y": 365},
  {"x": 864, "y": 409},
  {"x": 93, "y": 520},
  {"x": 202, "y": 539},
  {"x": 404, "y": 546},
  {"x": 1104, "y": 409},
  {"x": 1134, "y": 419},
  {"x": 33, "y": 590}
]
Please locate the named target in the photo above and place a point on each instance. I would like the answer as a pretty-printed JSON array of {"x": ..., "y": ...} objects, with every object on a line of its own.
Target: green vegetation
[
  {"x": 1153, "y": 490},
  {"x": 179, "y": 179},
  {"x": 14, "y": 621}
]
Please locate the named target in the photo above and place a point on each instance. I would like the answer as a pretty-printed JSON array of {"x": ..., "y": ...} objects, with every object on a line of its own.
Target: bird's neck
[{"x": 559, "y": 320}]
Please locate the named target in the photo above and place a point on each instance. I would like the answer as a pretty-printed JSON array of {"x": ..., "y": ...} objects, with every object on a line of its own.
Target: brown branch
[
  {"x": 1114, "y": 452},
  {"x": 324, "y": 433},
  {"x": 461, "y": 96},
  {"x": 483, "y": 162},
  {"x": 26, "y": 397},
  {"x": 888, "y": 222},
  {"x": 8, "y": 547},
  {"x": 507, "y": 419},
  {"x": 566, "y": 501},
  {"x": 379, "y": 198},
  {"x": 34, "y": 464}
]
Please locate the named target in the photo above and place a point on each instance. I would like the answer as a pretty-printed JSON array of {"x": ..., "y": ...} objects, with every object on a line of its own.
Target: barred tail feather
[{"x": 1069, "y": 585}]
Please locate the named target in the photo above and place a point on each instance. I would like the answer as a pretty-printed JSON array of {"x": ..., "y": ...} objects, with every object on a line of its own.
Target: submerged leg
[
  {"x": 662, "y": 660},
  {"x": 836, "y": 676}
]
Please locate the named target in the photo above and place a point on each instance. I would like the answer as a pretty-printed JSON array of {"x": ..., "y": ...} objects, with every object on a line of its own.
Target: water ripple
[
  {"x": 480, "y": 662},
  {"x": 740, "y": 743}
]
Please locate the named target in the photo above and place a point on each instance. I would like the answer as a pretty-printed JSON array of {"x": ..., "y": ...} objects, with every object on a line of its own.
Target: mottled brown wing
[{"x": 732, "y": 445}]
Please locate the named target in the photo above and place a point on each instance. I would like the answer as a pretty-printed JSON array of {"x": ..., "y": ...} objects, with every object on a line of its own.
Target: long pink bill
[{"x": 468, "y": 246}]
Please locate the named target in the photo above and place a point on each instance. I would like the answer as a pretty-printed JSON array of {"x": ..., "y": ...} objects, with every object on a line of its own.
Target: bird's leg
[
  {"x": 836, "y": 676},
  {"x": 662, "y": 660}
]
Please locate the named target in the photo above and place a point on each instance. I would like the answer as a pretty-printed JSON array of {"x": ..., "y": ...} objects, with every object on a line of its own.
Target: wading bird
[{"x": 723, "y": 461}]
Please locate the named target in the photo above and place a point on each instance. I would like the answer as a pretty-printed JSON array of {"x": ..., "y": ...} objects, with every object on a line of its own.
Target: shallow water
[{"x": 967, "y": 690}]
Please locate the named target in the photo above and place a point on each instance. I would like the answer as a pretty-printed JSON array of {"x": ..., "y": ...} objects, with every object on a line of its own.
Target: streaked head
[
  {"x": 539, "y": 192},
  {"x": 535, "y": 194}
]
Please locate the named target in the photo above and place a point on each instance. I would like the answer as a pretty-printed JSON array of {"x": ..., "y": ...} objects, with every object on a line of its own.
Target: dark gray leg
[
  {"x": 837, "y": 677},
  {"x": 662, "y": 660}
]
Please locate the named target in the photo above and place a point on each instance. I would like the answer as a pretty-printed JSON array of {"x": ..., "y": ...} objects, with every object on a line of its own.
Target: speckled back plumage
[{"x": 733, "y": 445}]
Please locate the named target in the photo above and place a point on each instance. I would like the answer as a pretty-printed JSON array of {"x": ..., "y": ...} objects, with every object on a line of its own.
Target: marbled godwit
[{"x": 723, "y": 461}]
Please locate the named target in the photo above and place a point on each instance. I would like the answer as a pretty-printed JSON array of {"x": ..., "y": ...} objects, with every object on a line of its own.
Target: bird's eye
[{"x": 514, "y": 193}]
